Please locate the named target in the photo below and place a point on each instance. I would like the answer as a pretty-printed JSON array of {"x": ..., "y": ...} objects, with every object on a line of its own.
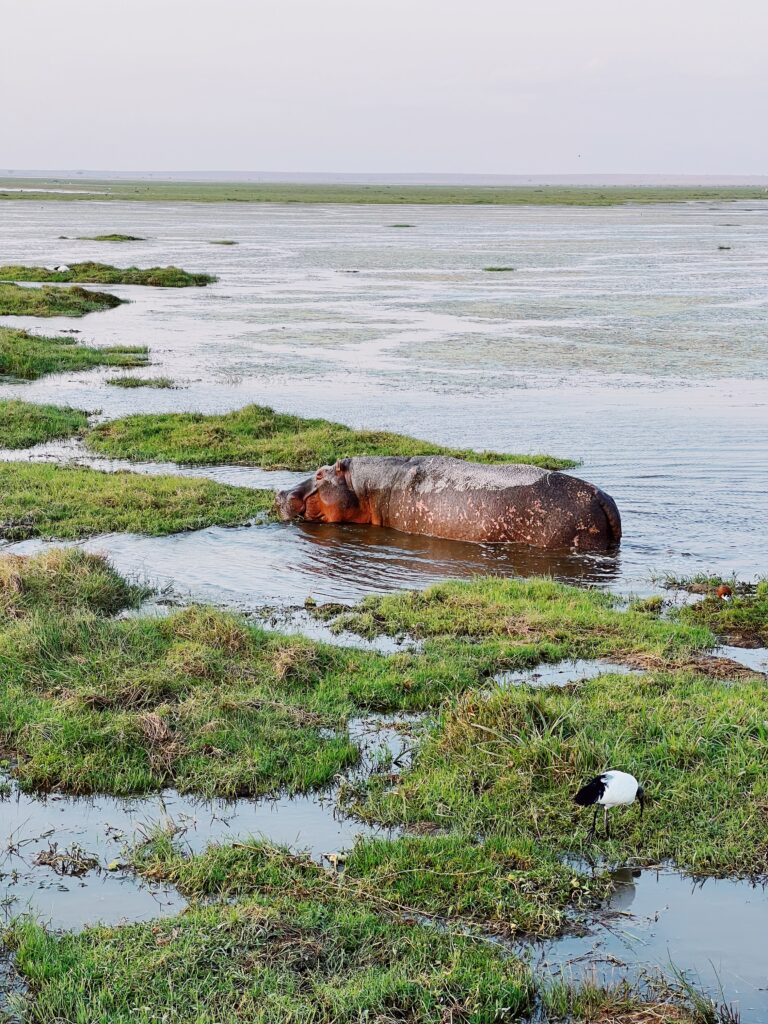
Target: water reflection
[
  {"x": 285, "y": 564},
  {"x": 712, "y": 930}
]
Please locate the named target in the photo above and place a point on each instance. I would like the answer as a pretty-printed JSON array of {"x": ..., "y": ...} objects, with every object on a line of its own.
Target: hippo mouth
[{"x": 292, "y": 504}]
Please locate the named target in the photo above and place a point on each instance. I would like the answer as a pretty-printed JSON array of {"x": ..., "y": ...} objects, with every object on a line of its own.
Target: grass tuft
[
  {"x": 18, "y": 301},
  {"x": 103, "y": 273},
  {"x": 114, "y": 237},
  {"x": 140, "y": 382}
]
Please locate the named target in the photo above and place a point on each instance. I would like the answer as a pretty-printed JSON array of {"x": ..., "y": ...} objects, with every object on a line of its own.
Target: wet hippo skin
[{"x": 439, "y": 496}]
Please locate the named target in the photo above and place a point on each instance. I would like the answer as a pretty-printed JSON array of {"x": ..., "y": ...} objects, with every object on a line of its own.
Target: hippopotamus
[{"x": 439, "y": 496}]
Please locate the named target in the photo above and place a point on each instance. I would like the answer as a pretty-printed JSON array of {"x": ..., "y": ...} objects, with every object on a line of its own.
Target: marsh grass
[
  {"x": 103, "y": 273},
  {"x": 114, "y": 237},
  {"x": 272, "y": 192},
  {"x": 63, "y": 581},
  {"x": 741, "y": 620},
  {"x": 26, "y": 356},
  {"x": 284, "y": 943},
  {"x": 140, "y": 382},
  {"x": 210, "y": 704},
  {"x": 18, "y": 301},
  {"x": 23, "y": 424},
  {"x": 550, "y": 620},
  {"x": 41, "y": 500},
  {"x": 258, "y": 436},
  {"x": 505, "y": 764}
]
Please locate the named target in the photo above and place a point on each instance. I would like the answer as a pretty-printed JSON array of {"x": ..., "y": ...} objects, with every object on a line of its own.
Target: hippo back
[{"x": 439, "y": 496}]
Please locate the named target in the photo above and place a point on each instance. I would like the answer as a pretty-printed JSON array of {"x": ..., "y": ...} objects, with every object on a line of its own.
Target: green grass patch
[
  {"x": 23, "y": 424},
  {"x": 26, "y": 356},
  {"x": 549, "y": 620},
  {"x": 114, "y": 237},
  {"x": 295, "y": 947},
  {"x": 18, "y": 301},
  {"x": 140, "y": 382},
  {"x": 103, "y": 273},
  {"x": 208, "y": 703},
  {"x": 505, "y": 764},
  {"x": 40, "y": 500},
  {"x": 259, "y": 436},
  {"x": 498, "y": 270},
  {"x": 396, "y": 194}
]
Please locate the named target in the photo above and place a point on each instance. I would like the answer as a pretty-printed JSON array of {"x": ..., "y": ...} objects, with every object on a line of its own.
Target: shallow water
[
  {"x": 562, "y": 673},
  {"x": 625, "y": 337},
  {"x": 105, "y": 826},
  {"x": 712, "y": 930}
]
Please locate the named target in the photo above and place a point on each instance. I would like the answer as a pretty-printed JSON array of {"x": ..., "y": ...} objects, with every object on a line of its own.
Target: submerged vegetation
[
  {"x": 23, "y": 424},
  {"x": 28, "y": 356},
  {"x": 114, "y": 237},
  {"x": 259, "y": 436},
  {"x": 140, "y": 382},
  {"x": 16, "y": 300},
  {"x": 41, "y": 500},
  {"x": 103, "y": 273}
]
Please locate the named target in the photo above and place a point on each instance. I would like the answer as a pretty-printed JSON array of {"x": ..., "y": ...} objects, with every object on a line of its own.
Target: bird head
[{"x": 640, "y": 797}]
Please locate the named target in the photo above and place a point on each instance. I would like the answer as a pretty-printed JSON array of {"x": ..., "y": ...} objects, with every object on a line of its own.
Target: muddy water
[{"x": 624, "y": 337}]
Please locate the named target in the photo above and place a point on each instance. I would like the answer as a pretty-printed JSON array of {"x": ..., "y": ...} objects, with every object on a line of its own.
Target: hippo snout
[{"x": 283, "y": 505}]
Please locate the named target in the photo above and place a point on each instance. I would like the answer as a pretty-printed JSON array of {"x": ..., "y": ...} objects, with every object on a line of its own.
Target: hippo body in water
[{"x": 439, "y": 496}]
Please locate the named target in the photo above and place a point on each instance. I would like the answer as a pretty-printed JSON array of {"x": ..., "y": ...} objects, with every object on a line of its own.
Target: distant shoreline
[{"x": 80, "y": 189}]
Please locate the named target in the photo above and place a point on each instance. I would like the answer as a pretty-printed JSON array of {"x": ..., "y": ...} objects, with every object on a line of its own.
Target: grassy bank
[
  {"x": 259, "y": 436},
  {"x": 23, "y": 424},
  {"x": 103, "y": 273},
  {"x": 264, "y": 192},
  {"x": 28, "y": 356},
  {"x": 40, "y": 500},
  {"x": 18, "y": 301}
]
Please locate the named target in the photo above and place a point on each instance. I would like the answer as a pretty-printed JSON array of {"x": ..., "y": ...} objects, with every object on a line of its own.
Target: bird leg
[
  {"x": 591, "y": 833},
  {"x": 607, "y": 826}
]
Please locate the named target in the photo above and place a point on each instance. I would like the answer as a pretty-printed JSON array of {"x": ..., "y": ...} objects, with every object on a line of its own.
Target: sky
[{"x": 441, "y": 86}]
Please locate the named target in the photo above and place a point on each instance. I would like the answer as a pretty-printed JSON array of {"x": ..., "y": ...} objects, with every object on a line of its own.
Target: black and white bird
[{"x": 611, "y": 789}]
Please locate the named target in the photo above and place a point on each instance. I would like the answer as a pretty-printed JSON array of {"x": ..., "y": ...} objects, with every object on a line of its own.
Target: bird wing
[{"x": 591, "y": 793}]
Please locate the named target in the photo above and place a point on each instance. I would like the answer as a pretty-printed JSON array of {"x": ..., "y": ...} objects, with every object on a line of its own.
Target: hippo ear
[{"x": 341, "y": 466}]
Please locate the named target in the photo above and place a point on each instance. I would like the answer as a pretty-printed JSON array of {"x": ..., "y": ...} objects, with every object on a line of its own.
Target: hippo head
[{"x": 326, "y": 497}]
